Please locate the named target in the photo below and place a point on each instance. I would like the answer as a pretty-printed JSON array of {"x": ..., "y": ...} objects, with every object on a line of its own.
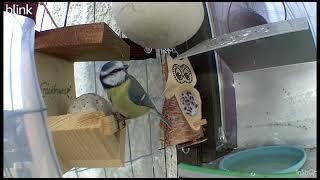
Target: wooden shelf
[{"x": 88, "y": 42}]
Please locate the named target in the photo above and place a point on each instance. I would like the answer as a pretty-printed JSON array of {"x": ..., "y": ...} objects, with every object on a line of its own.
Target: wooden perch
[
  {"x": 200, "y": 122},
  {"x": 84, "y": 120},
  {"x": 87, "y": 140},
  {"x": 85, "y": 42}
]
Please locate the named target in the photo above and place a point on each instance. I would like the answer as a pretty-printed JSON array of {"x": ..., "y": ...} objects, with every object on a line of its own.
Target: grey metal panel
[
  {"x": 229, "y": 102},
  {"x": 221, "y": 139},
  {"x": 278, "y": 50},
  {"x": 277, "y": 106},
  {"x": 274, "y": 44}
]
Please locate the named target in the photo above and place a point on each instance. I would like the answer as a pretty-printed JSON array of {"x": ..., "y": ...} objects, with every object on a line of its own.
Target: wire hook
[
  {"x": 175, "y": 51},
  {"x": 185, "y": 152},
  {"x": 147, "y": 50}
]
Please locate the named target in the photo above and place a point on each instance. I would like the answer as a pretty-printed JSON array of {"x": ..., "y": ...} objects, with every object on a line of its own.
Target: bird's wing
[{"x": 137, "y": 94}]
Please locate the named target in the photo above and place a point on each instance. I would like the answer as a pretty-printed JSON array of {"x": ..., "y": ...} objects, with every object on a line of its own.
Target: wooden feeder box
[{"x": 81, "y": 139}]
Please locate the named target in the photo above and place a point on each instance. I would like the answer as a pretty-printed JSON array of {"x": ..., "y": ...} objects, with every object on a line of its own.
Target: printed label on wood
[{"x": 56, "y": 79}]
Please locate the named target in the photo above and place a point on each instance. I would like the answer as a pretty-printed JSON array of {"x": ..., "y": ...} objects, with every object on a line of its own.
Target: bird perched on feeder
[{"x": 125, "y": 93}]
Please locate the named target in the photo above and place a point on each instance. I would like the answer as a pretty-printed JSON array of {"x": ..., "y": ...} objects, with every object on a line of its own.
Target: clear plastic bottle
[{"x": 28, "y": 147}]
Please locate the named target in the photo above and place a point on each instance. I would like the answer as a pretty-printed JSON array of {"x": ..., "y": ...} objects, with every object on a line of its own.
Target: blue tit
[{"x": 125, "y": 93}]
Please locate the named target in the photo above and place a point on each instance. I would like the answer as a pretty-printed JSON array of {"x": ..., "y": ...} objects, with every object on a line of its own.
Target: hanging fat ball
[
  {"x": 91, "y": 102},
  {"x": 125, "y": 93},
  {"x": 158, "y": 24}
]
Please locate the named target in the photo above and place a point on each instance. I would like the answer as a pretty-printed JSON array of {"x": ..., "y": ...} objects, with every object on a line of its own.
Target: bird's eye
[{"x": 115, "y": 71}]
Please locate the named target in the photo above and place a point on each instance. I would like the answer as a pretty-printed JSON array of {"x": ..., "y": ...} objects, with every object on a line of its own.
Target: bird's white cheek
[
  {"x": 106, "y": 81},
  {"x": 115, "y": 79},
  {"x": 103, "y": 73}
]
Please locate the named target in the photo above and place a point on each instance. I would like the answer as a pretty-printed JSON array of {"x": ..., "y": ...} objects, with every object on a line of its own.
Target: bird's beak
[{"x": 126, "y": 67}]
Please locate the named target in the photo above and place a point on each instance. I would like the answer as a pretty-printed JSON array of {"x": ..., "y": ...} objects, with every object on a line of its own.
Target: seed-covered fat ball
[
  {"x": 90, "y": 102},
  {"x": 189, "y": 103}
]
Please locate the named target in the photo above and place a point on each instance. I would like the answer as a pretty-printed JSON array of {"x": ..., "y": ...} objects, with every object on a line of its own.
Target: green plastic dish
[
  {"x": 265, "y": 159},
  {"x": 190, "y": 171}
]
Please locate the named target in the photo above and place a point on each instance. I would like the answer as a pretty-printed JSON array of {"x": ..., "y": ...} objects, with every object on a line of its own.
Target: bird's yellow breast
[{"x": 121, "y": 102}]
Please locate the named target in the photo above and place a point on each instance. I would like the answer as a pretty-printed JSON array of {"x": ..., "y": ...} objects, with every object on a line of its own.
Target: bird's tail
[{"x": 167, "y": 122}]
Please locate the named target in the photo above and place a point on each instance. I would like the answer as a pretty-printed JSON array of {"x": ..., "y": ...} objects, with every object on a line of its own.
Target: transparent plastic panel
[{"x": 28, "y": 148}]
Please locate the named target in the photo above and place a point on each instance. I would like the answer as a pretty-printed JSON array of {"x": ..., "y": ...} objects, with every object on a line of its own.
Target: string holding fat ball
[
  {"x": 51, "y": 18},
  {"x": 174, "y": 51}
]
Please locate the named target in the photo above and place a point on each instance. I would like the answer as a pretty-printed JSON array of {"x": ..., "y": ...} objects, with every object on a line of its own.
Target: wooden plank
[
  {"x": 87, "y": 140},
  {"x": 83, "y": 120},
  {"x": 171, "y": 161},
  {"x": 85, "y": 42},
  {"x": 56, "y": 80},
  {"x": 184, "y": 145}
]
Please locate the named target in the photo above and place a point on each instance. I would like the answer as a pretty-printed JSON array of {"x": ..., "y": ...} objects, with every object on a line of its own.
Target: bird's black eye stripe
[{"x": 115, "y": 70}]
